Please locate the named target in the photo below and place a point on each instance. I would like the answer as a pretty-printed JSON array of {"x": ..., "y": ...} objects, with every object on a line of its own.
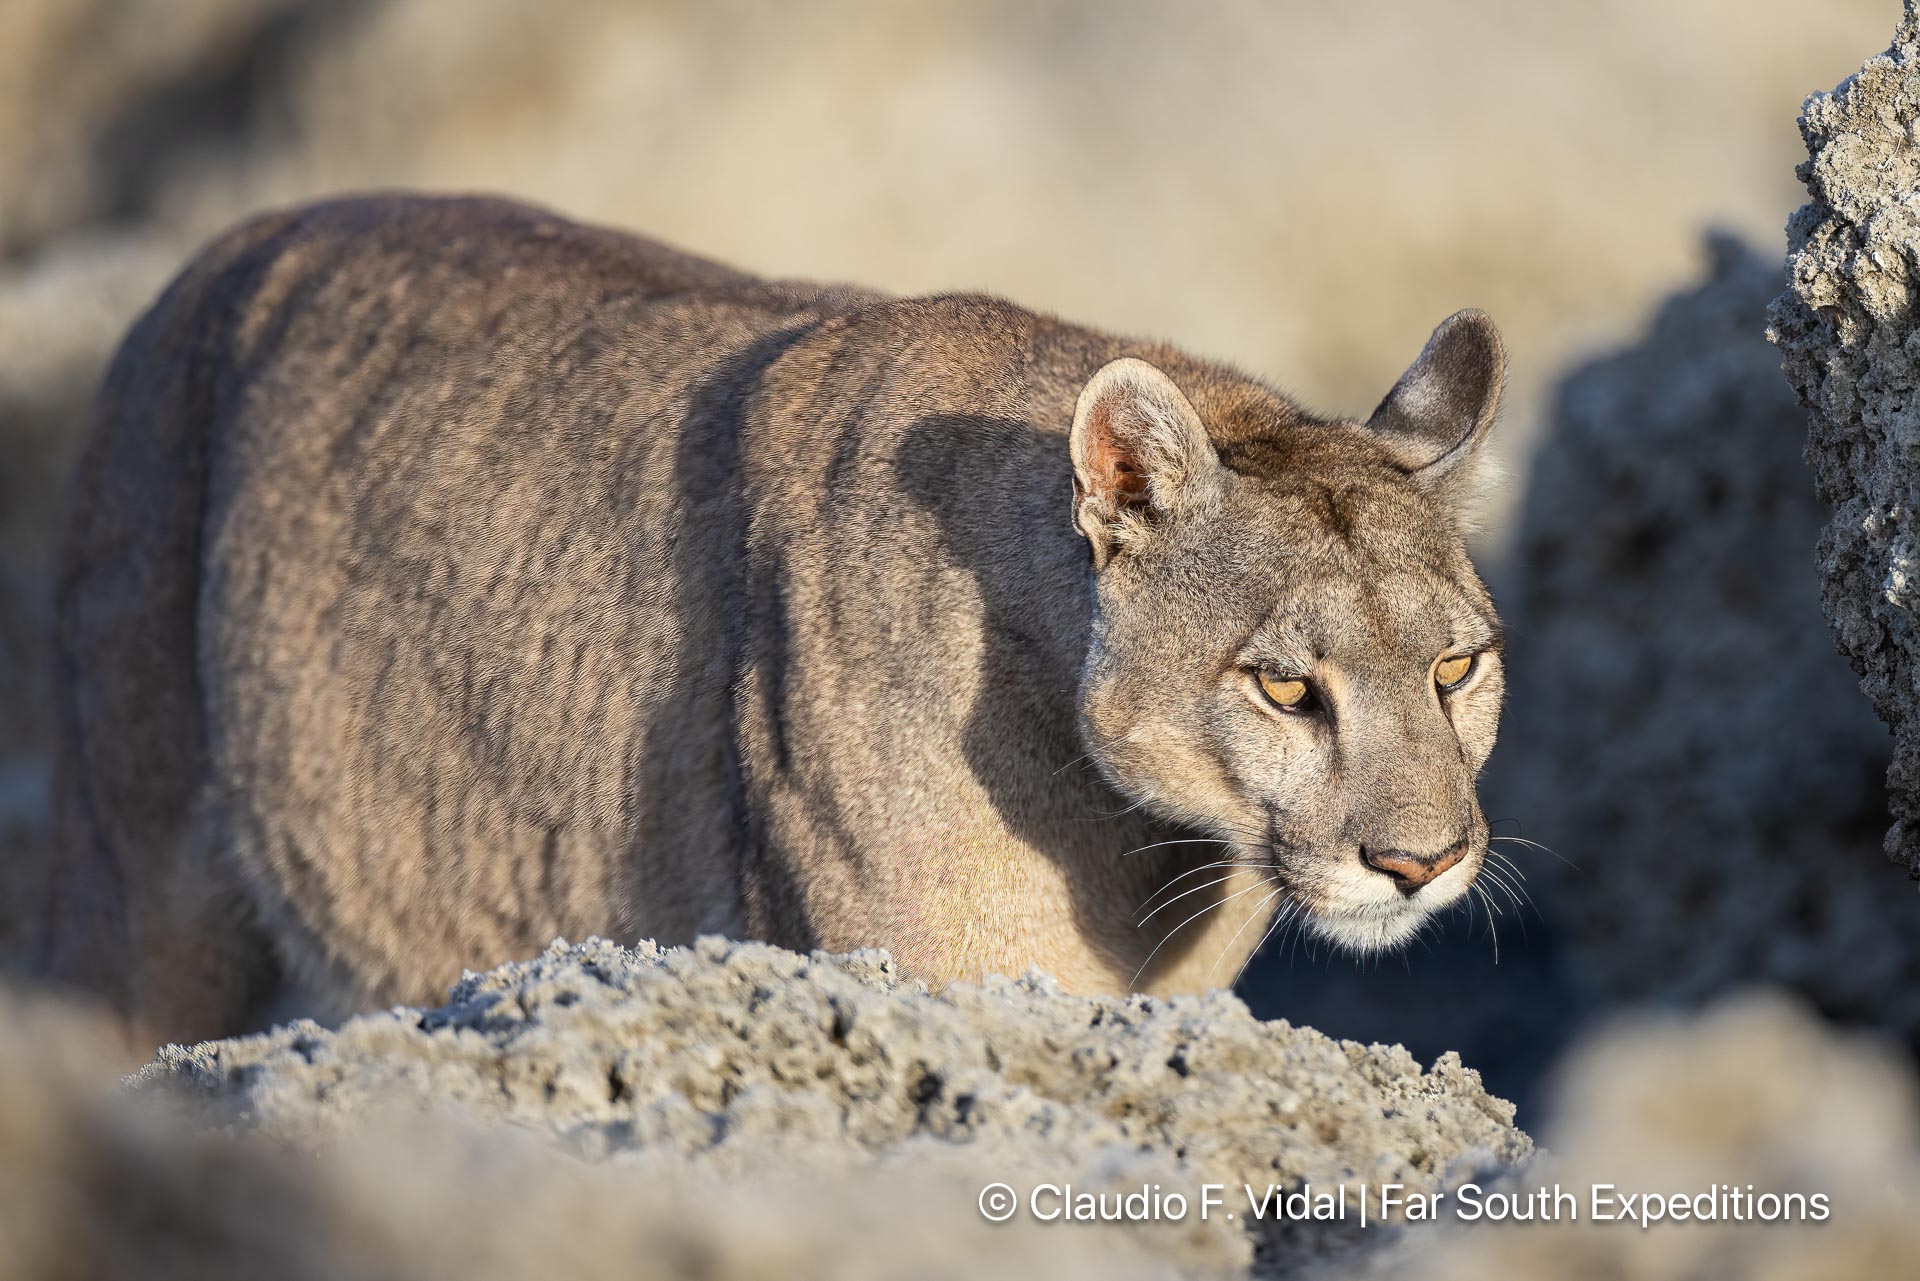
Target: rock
[
  {"x": 1756, "y": 1096},
  {"x": 94, "y": 88},
  {"x": 93, "y": 1184},
  {"x": 1847, "y": 333},
  {"x": 53, "y": 312},
  {"x": 728, "y": 1059},
  {"x": 263, "y": 1168},
  {"x": 1680, "y": 728}
]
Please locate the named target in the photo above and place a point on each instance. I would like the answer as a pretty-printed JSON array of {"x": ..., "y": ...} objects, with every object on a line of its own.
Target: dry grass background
[{"x": 1300, "y": 187}]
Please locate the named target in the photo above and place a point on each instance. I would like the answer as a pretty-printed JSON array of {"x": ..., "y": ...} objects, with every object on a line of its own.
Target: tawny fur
[{"x": 444, "y": 576}]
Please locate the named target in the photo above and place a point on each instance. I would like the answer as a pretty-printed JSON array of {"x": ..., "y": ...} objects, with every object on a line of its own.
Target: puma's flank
[{"x": 444, "y": 576}]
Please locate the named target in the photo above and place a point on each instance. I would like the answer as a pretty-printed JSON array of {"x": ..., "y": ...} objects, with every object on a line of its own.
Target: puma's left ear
[
  {"x": 1140, "y": 455},
  {"x": 1437, "y": 415}
]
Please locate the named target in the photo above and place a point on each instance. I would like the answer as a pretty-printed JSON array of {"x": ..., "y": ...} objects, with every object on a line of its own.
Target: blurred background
[{"x": 1301, "y": 188}]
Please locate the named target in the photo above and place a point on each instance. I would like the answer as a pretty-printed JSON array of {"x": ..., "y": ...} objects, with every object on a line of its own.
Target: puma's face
[
  {"x": 1291, "y": 649},
  {"x": 1295, "y": 675}
]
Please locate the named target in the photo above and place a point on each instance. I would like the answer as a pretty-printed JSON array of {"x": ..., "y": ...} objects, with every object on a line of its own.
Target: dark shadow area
[
  {"x": 1021, "y": 741},
  {"x": 727, "y": 604}
]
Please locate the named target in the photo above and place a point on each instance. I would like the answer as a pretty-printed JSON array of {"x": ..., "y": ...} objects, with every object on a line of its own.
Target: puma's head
[{"x": 1291, "y": 649}]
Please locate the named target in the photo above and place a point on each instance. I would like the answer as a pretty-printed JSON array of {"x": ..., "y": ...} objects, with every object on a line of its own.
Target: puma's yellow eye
[
  {"x": 1285, "y": 691},
  {"x": 1449, "y": 672}
]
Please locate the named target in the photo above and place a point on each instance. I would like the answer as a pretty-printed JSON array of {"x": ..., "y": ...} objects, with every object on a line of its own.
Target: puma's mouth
[
  {"x": 1366, "y": 904},
  {"x": 1364, "y": 911}
]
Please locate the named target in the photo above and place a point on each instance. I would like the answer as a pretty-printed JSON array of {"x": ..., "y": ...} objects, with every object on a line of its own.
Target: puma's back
[{"x": 444, "y": 577}]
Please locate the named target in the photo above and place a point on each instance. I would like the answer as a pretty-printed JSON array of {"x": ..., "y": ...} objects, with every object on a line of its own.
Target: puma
[{"x": 444, "y": 576}]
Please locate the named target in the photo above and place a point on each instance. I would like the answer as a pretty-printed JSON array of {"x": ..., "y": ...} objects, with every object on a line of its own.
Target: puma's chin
[
  {"x": 1375, "y": 922},
  {"x": 1369, "y": 931}
]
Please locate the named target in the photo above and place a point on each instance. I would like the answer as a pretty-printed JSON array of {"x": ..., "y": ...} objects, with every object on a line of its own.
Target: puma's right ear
[
  {"x": 1437, "y": 416},
  {"x": 1140, "y": 454}
]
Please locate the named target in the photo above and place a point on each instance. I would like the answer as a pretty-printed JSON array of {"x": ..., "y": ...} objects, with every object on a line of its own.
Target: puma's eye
[
  {"x": 1289, "y": 693},
  {"x": 1449, "y": 672}
]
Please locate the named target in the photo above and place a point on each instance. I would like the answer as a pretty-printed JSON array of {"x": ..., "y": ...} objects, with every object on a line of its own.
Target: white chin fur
[
  {"x": 1368, "y": 933},
  {"x": 1377, "y": 924}
]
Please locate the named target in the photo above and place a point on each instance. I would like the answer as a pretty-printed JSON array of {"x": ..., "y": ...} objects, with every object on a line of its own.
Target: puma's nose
[{"x": 1411, "y": 871}]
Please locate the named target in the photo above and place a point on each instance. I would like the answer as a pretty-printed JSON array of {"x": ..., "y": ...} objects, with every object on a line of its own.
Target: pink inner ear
[{"x": 1112, "y": 465}]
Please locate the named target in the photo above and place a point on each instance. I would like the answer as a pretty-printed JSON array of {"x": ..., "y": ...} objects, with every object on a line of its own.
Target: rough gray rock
[
  {"x": 1846, "y": 329},
  {"x": 1680, "y": 728},
  {"x": 733, "y": 1057},
  {"x": 94, "y": 1183}
]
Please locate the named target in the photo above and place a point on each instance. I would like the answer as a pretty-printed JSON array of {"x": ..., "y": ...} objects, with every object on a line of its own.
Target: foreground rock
[
  {"x": 94, "y": 1185},
  {"x": 757, "y": 1115},
  {"x": 1846, "y": 328},
  {"x": 732, "y": 1059},
  {"x": 1680, "y": 729}
]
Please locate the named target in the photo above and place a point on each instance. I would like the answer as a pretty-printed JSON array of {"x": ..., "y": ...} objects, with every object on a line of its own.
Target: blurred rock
[
  {"x": 89, "y": 88},
  {"x": 1679, "y": 727},
  {"x": 1847, "y": 331},
  {"x": 1756, "y": 1096},
  {"x": 53, "y": 311}
]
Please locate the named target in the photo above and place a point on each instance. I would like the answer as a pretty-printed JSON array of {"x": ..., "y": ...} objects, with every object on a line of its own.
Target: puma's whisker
[
  {"x": 1198, "y": 870},
  {"x": 1183, "y": 893},
  {"x": 1241, "y": 893},
  {"x": 1251, "y": 918}
]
